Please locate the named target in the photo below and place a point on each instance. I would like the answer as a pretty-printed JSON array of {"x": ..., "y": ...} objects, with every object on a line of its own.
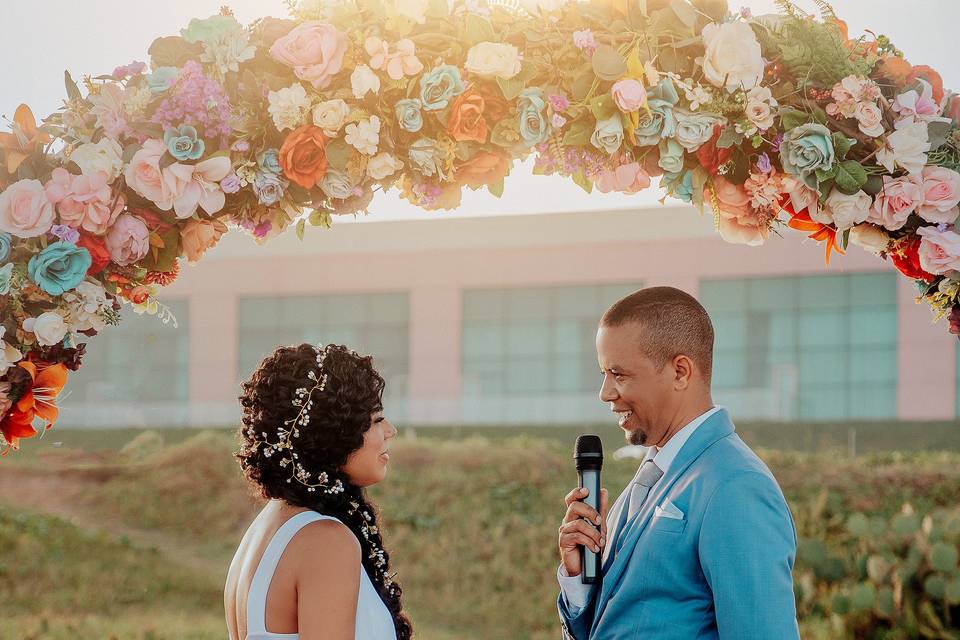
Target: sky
[{"x": 94, "y": 36}]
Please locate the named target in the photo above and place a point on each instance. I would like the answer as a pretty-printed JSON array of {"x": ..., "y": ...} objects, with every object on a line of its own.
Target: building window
[
  {"x": 376, "y": 324},
  {"x": 150, "y": 388},
  {"x": 805, "y": 348},
  {"x": 529, "y": 354}
]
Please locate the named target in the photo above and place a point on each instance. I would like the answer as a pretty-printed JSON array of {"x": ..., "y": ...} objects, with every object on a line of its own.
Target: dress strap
[{"x": 257, "y": 596}]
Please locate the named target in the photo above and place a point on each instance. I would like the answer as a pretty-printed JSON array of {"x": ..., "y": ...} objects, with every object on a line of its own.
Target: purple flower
[
  {"x": 763, "y": 163},
  {"x": 262, "y": 229},
  {"x": 775, "y": 146},
  {"x": 241, "y": 146},
  {"x": 199, "y": 101},
  {"x": 559, "y": 102},
  {"x": 127, "y": 70},
  {"x": 230, "y": 184},
  {"x": 65, "y": 233}
]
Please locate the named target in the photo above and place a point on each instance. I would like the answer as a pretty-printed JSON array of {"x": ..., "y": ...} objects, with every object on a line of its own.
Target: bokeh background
[{"x": 121, "y": 521}]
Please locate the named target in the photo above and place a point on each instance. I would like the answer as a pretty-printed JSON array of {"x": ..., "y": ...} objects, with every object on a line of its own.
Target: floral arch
[{"x": 768, "y": 121}]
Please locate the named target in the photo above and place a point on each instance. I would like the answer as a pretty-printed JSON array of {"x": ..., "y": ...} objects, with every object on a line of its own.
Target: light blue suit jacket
[{"x": 723, "y": 571}]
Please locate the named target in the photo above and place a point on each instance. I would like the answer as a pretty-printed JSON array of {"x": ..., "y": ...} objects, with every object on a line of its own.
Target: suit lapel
[{"x": 716, "y": 427}]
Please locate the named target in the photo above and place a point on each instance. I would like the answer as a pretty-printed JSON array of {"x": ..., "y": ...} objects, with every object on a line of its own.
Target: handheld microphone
[{"x": 588, "y": 455}]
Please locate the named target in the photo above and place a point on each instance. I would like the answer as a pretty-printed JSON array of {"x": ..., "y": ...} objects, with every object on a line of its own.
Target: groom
[{"x": 701, "y": 543}]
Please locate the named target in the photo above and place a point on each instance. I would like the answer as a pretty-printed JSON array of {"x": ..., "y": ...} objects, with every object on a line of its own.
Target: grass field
[{"x": 128, "y": 535}]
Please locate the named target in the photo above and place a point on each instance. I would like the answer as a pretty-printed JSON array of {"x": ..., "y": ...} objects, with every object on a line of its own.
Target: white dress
[{"x": 374, "y": 621}]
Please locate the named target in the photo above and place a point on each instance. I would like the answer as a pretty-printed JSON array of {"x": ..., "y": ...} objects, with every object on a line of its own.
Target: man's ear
[{"x": 682, "y": 372}]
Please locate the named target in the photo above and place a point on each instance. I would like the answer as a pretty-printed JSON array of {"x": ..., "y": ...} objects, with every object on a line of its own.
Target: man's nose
[{"x": 608, "y": 392}]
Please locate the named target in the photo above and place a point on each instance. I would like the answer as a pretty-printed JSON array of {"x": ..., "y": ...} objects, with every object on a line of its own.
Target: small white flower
[
  {"x": 382, "y": 165},
  {"x": 49, "y": 327},
  {"x": 363, "y": 80},
  {"x": 289, "y": 106},
  {"x": 364, "y": 136}
]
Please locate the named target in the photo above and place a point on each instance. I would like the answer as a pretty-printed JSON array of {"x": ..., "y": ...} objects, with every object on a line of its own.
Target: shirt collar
[{"x": 664, "y": 456}]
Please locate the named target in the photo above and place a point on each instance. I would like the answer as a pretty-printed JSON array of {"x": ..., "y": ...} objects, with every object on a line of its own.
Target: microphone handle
[{"x": 590, "y": 561}]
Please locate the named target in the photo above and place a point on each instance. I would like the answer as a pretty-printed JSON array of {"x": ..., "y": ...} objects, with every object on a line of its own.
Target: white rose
[
  {"x": 760, "y": 107},
  {"x": 415, "y": 10},
  {"x": 86, "y": 302},
  {"x": 870, "y": 237},
  {"x": 844, "y": 211},
  {"x": 330, "y": 116},
  {"x": 106, "y": 156},
  {"x": 50, "y": 328},
  {"x": 493, "y": 59},
  {"x": 869, "y": 118},
  {"x": 337, "y": 184},
  {"x": 732, "y": 58},
  {"x": 288, "y": 107},
  {"x": 9, "y": 355},
  {"x": 907, "y": 147},
  {"x": 362, "y": 80},
  {"x": 382, "y": 165}
]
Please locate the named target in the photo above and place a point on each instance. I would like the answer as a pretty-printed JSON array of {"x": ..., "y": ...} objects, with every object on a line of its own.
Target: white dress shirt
[{"x": 574, "y": 591}]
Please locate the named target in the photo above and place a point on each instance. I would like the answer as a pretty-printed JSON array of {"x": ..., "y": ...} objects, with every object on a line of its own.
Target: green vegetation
[{"x": 471, "y": 524}]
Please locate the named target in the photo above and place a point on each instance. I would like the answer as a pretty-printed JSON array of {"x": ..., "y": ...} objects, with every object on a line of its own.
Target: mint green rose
[
  {"x": 805, "y": 149},
  {"x": 671, "y": 156},
  {"x": 6, "y": 277},
  {"x": 162, "y": 79},
  {"x": 60, "y": 267},
  {"x": 5, "y": 242},
  {"x": 409, "y": 115},
  {"x": 533, "y": 127},
  {"x": 184, "y": 143},
  {"x": 659, "y": 122},
  {"x": 210, "y": 29},
  {"x": 694, "y": 129},
  {"x": 440, "y": 86},
  {"x": 608, "y": 134}
]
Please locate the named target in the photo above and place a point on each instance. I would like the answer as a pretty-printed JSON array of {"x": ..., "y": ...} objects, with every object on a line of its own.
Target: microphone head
[{"x": 588, "y": 451}]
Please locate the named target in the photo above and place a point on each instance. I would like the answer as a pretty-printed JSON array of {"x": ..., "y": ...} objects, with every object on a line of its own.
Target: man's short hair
[{"x": 673, "y": 322}]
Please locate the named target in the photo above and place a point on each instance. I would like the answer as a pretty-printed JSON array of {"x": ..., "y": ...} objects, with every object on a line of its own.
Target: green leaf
[
  {"x": 793, "y": 118},
  {"x": 850, "y": 176},
  {"x": 685, "y": 11},
  {"x": 73, "y": 91},
  {"x": 603, "y": 106},
  {"x": 608, "y": 64},
  {"x": 863, "y": 597},
  {"x": 885, "y": 605},
  {"x": 840, "y": 604},
  {"x": 479, "y": 29},
  {"x": 943, "y": 557},
  {"x": 938, "y": 132},
  {"x": 511, "y": 88},
  {"x": 858, "y": 525},
  {"x": 935, "y": 585},
  {"x": 338, "y": 153},
  {"x": 825, "y": 175},
  {"x": 173, "y": 51},
  {"x": 842, "y": 144},
  {"x": 301, "y": 225},
  {"x": 496, "y": 188},
  {"x": 320, "y": 218},
  {"x": 578, "y": 134},
  {"x": 582, "y": 181},
  {"x": 167, "y": 254},
  {"x": 582, "y": 85},
  {"x": 952, "y": 591},
  {"x": 728, "y": 138}
]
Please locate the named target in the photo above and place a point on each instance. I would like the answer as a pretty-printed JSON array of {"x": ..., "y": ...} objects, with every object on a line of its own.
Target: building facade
[{"x": 491, "y": 320}]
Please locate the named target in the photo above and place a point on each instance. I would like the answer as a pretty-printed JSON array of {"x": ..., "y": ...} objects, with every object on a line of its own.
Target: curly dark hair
[{"x": 339, "y": 417}]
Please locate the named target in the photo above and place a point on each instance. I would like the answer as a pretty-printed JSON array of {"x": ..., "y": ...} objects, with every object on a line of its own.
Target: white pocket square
[{"x": 668, "y": 510}]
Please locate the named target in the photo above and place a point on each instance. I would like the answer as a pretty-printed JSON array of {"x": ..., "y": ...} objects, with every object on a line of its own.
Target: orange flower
[
  {"x": 483, "y": 168},
  {"x": 24, "y": 139},
  {"x": 466, "y": 121},
  {"x": 895, "y": 69},
  {"x": 819, "y": 232},
  {"x": 931, "y": 76},
  {"x": 37, "y": 402},
  {"x": 303, "y": 156}
]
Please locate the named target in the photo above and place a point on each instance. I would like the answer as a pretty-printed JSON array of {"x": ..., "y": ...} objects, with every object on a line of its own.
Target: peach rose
[
  {"x": 939, "y": 250},
  {"x": 25, "y": 209},
  {"x": 466, "y": 121},
  {"x": 84, "y": 202},
  {"x": 482, "y": 169},
  {"x": 315, "y": 51},
  {"x": 303, "y": 157},
  {"x": 199, "y": 235},
  {"x": 739, "y": 223}
]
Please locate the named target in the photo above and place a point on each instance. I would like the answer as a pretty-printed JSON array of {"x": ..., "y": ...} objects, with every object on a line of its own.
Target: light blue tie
[{"x": 631, "y": 502}]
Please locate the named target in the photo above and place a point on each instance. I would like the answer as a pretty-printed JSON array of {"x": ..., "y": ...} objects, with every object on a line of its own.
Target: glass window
[
  {"x": 813, "y": 347},
  {"x": 529, "y": 354},
  {"x": 375, "y": 324}
]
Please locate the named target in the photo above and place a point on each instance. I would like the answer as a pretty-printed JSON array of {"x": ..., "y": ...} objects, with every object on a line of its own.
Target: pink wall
[{"x": 435, "y": 278}]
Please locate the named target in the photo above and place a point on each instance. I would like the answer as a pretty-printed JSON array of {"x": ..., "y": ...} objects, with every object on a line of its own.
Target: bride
[{"x": 312, "y": 564}]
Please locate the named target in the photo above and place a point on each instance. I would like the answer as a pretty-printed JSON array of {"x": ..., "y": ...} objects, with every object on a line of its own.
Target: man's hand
[{"x": 575, "y": 531}]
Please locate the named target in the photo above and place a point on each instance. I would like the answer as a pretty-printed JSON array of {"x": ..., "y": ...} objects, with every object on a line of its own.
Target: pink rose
[
  {"x": 629, "y": 94},
  {"x": 869, "y": 118},
  {"x": 84, "y": 202},
  {"x": 199, "y": 235},
  {"x": 896, "y": 201},
  {"x": 739, "y": 222},
  {"x": 128, "y": 240},
  {"x": 941, "y": 194},
  {"x": 25, "y": 209},
  {"x": 939, "y": 250},
  {"x": 315, "y": 51},
  {"x": 627, "y": 178},
  {"x": 144, "y": 176}
]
